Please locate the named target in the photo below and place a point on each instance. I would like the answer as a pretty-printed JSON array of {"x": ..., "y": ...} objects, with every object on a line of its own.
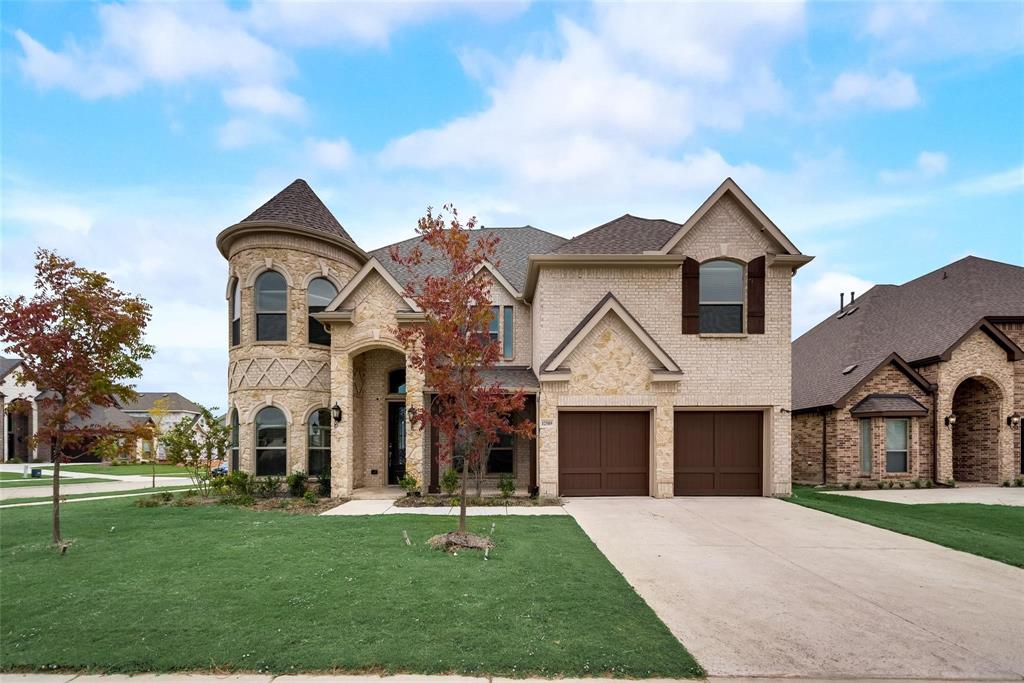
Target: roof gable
[
  {"x": 370, "y": 267},
  {"x": 608, "y": 305},
  {"x": 730, "y": 188}
]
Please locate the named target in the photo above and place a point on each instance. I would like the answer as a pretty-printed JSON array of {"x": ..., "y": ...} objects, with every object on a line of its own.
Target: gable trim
[
  {"x": 897, "y": 361},
  {"x": 1013, "y": 352},
  {"x": 729, "y": 186},
  {"x": 502, "y": 280},
  {"x": 371, "y": 266},
  {"x": 608, "y": 304}
]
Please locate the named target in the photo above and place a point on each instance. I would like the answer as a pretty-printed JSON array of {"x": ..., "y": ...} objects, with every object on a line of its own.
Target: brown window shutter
[
  {"x": 755, "y": 296},
  {"x": 691, "y": 296}
]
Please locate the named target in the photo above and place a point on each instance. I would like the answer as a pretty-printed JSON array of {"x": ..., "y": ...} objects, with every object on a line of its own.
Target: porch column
[
  {"x": 341, "y": 432},
  {"x": 415, "y": 459},
  {"x": 664, "y": 454},
  {"x": 547, "y": 441}
]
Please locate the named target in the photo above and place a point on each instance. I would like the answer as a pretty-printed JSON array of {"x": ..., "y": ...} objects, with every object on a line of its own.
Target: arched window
[
  {"x": 234, "y": 441},
  {"x": 271, "y": 442},
  {"x": 236, "y": 314},
  {"x": 721, "y": 297},
  {"x": 396, "y": 381},
  {"x": 319, "y": 293},
  {"x": 271, "y": 307},
  {"x": 319, "y": 442}
]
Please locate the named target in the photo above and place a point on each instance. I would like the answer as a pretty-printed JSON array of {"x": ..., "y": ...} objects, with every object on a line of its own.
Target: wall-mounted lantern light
[
  {"x": 950, "y": 421},
  {"x": 1013, "y": 421},
  {"x": 336, "y": 412}
]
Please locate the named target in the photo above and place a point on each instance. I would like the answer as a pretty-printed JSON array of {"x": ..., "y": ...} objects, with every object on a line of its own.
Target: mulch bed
[
  {"x": 453, "y": 541},
  {"x": 486, "y": 501}
]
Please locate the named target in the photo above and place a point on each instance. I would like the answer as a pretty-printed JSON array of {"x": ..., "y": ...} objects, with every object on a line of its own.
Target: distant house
[
  {"x": 923, "y": 380},
  {"x": 177, "y": 406},
  {"x": 19, "y": 411}
]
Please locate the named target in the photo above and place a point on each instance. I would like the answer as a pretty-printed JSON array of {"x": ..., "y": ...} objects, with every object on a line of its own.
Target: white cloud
[
  {"x": 814, "y": 300},
  {"x": 996, "y": 183},
  {"x": 927, "y": 166},
  {"x": 266, "y": 99},
  {"x": 47, "y": 211},
  {"x": 614, "y": 107},
  {"x": 331, "y": 154},
  {"x": 894, "y": 90},
  {"x": 930, "y": 31}
]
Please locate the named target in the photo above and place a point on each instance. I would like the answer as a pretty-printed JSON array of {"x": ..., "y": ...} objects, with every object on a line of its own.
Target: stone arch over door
[{"x": 977, "y": 404}]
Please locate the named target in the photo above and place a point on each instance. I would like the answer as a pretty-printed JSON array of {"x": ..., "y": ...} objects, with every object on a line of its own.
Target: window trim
[
  {"x": 866, "y": 440},
  {"x": 256, "y": 448},
  {"x": 235, "y": 310},
  {"x": 742, "y": 302},
  {"x": 257, "y": 313},
  {"x": 905, "y": 450},
  {"x": 309, "y": 313}
]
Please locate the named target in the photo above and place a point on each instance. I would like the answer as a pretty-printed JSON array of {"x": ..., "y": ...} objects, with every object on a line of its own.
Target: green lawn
[
  {"x": 18, "y": 481},
  {"x": 119, "y": 470},
  {"x": 230, "y": 589},
  {"x": 992, "y": 531}
]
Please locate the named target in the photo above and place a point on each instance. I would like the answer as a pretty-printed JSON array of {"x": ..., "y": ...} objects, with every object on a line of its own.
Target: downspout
[{"x": 824, "y": 447}]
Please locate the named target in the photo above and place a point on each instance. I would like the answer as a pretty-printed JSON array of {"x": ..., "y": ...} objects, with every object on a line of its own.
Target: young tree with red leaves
[
  {"x": 452, "y": 347},
  {"x": 80, "y": 340}
]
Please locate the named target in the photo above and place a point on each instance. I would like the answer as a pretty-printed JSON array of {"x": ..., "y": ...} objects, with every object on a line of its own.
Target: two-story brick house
[
  {"x": 656, "y": 354},
  {"x": 923, "y": 380}
]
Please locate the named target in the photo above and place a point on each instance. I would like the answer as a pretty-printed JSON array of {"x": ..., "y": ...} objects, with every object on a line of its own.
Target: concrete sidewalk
[
  {"x": 985, "y": 495},
  {"x": 387, "y": 507}
]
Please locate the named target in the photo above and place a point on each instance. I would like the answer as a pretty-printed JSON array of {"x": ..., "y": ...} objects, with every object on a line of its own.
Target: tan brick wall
[
  {"x": 807, "y": 447},
  {"x": 292, "y": 375},
  {"x": 751, "y": 370},
  {"x": 370, "y": 394},
  {"x": 1015, "y": 331}
]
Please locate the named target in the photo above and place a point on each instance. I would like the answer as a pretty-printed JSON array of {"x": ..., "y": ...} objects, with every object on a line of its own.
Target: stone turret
[{"x": 288, "y": 255}]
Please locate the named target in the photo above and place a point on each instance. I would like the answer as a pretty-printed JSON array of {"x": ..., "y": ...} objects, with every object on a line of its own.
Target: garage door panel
[
  {"x": 718, "y": 453},
  {"x": 603, "y": 453}
]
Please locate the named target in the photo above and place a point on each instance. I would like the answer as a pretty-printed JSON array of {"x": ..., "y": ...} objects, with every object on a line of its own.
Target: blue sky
[{"x": 885, "y": 139}]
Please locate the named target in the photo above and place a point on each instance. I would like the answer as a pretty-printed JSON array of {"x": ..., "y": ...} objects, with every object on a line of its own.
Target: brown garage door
[
  {"x": 718, "y": 453},
  {"x": 603, "y": 454}
]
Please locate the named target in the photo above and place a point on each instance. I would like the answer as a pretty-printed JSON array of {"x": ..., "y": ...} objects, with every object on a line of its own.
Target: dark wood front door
[
  {"x": 396, "y": 442},
  {"x": 603, "y": 453},
  {"x": 718, "y": 453}
]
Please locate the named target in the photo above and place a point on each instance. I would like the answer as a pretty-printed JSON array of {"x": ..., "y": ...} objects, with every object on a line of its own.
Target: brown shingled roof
[
  {"x": 891, "y": 405},
  {"x": 624, "y": 235},
  {"x": 298, "y": 204},
  {"x": 920, "y": 320},
  {"x": 513, "y": 252}
]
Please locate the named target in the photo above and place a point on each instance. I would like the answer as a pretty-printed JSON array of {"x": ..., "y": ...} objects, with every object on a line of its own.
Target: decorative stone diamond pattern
[{"x": 290, "y": 373}]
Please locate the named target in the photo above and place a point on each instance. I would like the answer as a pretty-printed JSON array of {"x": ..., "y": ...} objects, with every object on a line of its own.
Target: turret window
[
  {"x": 271, "y": 442},
  {"x": 271, "y": 307},
  {"x": 236, "y": 314},
  {"x": 319, "y": 294},
  {"x": 319, "y": 442}
]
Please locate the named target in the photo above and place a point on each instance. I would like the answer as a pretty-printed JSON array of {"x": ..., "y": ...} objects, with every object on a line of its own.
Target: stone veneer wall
[
  {"x": 292, "y": 375},
  {"x": 1015, "y": 331},
  {"x": 731, "y": 371},
  {"x": 976, "y": 356}
]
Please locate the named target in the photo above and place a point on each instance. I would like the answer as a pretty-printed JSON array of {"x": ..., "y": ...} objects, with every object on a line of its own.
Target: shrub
[
  {"x": 858, "y": 485},
  {"x": 916, "y": 483},
  {"x": 268, "y": 487},
  {"x": 309, "y": 497},
  {"x": 184, "y": 500},
  {"x": 1006, "y": 482},
  {"x": 408, "y": 483},
  {"x": 881, "y": 484},
  {"x": 928, "y": 483},
  {"x": 951, "y": 482},
  {"x": 148, "y": 502},
  {"x": 297, "y": 484},
  {"x": 239, "y": 483},
  {"x": 450, "y": 481},
  {"x": 846, "y": 486},
  {"x": 903, "y": 485},
  {"x": 323, "y": 483},
  {"x": 507, "y": 485},
  {"x": 1019, "y": 481}
]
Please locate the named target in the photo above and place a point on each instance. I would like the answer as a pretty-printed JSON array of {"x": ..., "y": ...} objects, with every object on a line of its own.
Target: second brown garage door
[
  {"x": 603, "y": 453},
  {"x": 718, "y": 453}
]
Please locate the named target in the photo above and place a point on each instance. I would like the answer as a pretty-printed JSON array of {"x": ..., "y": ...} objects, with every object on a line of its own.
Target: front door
[{"x": 396, "y": 442}]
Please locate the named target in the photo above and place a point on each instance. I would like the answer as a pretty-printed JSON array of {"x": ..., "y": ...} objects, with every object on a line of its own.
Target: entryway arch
[{"x": 977, "y": 403}]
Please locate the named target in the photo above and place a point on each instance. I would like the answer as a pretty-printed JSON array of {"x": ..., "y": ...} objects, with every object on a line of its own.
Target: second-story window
[
  {"x": 507, "y": 332},
  {"x": 236, "y": 314},
  {"x": 495, "y": 322},
  {"x": 721, "y": 297},
  {"x": 319, "y": 294},
  {"x": 271, "y": 307}
]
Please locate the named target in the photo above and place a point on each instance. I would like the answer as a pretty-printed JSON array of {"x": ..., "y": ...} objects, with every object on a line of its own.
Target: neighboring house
[
  {"x": 177, "y": 408},
  {"x": 655, "y": 354},
  {"x": 19, "y": 411},
  {"x": 920, "y": 380}
]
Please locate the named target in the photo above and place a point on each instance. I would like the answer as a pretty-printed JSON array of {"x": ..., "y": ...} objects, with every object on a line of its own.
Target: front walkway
[
  {"x": 387, "y": 507},
  {"x": 762, "y": 587},
  {"x": 985, "y": 495}
]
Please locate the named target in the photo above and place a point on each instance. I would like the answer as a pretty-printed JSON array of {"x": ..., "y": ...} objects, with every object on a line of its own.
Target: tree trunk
[
  {"x": 462, "y": 500},
  {"x": 153, "y": 485},
  {"x": 56, "y": 493}
]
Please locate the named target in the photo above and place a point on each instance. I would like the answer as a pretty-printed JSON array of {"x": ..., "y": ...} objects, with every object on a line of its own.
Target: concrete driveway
[{"x": 761, "y": 587}]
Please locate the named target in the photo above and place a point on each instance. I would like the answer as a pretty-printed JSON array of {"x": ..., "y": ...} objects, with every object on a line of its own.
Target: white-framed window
[
  {"x": 865, "y": 445},
  {"x": 319, "y": 294},
  {"x": 721, "y": 297},
  {"x": 236, "y": 314},
  {"x": 897, "y": 441},
  {"x": 271, "y": 307}
]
